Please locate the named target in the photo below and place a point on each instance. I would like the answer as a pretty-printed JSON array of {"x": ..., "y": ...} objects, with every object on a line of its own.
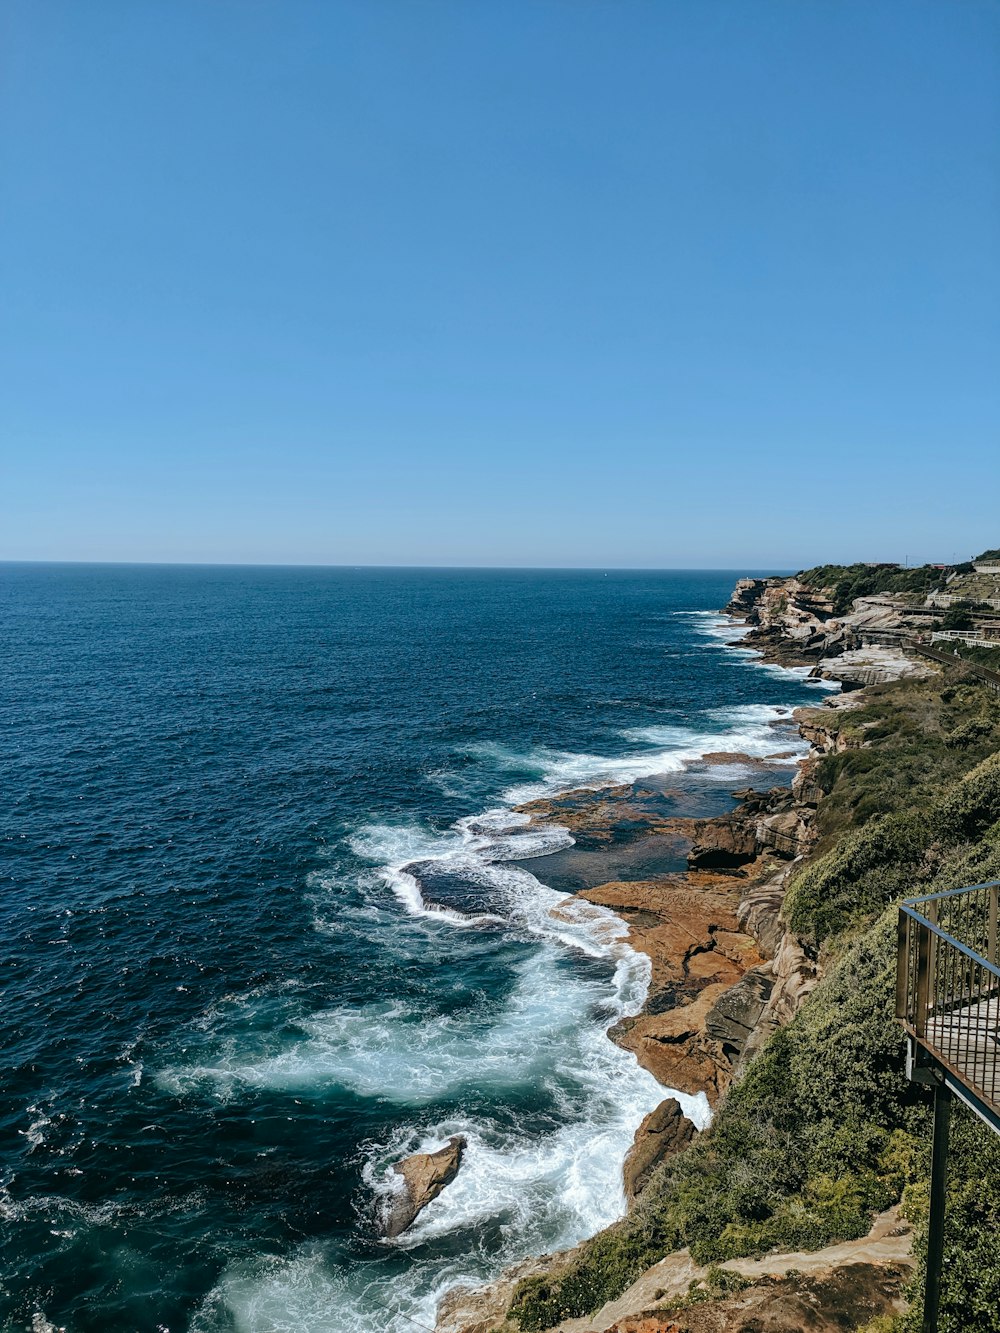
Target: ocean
[{"x": 270, "y": 922}]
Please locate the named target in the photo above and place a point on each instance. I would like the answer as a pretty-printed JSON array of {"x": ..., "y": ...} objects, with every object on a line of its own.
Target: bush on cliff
[
  {"x": 901, "y": 747},
  {"x": 893, "y": 856}
]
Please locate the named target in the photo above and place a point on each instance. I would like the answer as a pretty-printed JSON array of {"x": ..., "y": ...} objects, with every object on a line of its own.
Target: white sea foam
[
  {"x": 756, "y": 730},
  {"x": 715, "y": 625},
  {"x": 40, "y": 1324},
  {"x": 35, "y": 1133},
  {"x": 536, "y": 1192},
  {"x": 724, "y": 632},
  {"x": 547, "y": 1034},
  {"x": 666, "y": 748}
]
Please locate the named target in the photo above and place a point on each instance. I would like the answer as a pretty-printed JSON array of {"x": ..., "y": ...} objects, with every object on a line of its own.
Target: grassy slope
[{"x": 825, "y": 1130}]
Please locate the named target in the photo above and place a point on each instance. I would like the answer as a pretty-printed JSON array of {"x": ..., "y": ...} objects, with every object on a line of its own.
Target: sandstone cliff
[{"x": 797, "y": 624}]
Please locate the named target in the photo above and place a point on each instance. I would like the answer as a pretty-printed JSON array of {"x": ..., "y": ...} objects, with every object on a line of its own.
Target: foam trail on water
[
  {"x": 667, "y": 748},
  {"x": 715, "y": 626}
]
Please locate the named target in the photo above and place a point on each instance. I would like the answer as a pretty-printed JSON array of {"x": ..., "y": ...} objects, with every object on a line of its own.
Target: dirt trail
[{"x": 887, "y": 1246}]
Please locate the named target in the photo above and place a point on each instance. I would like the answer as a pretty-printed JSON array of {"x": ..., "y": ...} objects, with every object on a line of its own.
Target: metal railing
[
  {"x": 988, "y": 677},
  {"x": 948, "y": 985},
  {"x": 963, "y": 636}
]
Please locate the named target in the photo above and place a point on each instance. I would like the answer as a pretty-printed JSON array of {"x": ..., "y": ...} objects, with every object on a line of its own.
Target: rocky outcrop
[
  {"x": 759, "y": 914},
  {"x": 723, "y": 844},
  {"x": 795, "y": 624},
  {"x": 736, "y": 1012},
  {"x": 747, "y": 597},
  {"x": 425, "y": 1175},
  {"x": 687, "y": 926},
  {"x": 824, "y": 1302},
  {"x": 792, "y": 972},
  {"x": 796, "y": 972},
  {"x": 874, "y": 665},
  {"x": 823, "y": 727},
  {"x": 662, "y": 1133},
  {"x": 788, "y": 833},
  {"x": 806, "y": 790},
  {"x": 764, "y": 823}
]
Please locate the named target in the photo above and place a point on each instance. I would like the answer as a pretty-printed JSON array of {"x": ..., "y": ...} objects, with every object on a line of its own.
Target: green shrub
[
  {"x": 957, "y": 617},
  {"x": 970, "y": 1286},
  {"x": 868, "y": 867}
]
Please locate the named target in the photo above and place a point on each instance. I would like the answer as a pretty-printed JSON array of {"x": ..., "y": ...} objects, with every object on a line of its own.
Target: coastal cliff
[{"x": 772, "y": 963}]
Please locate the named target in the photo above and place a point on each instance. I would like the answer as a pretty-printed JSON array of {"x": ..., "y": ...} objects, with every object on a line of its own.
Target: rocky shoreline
[{"x": 726, "y": 970}]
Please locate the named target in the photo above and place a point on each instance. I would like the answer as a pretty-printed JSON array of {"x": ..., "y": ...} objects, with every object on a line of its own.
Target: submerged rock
[{"x": 425, "y": 1175}]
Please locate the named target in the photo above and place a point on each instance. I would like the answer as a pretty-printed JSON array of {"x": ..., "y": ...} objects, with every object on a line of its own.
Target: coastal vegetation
[
  {"x": 978, "y": 654},
  {"x": 824, "y": 1131},
  {"x": 845, "y": 582}
]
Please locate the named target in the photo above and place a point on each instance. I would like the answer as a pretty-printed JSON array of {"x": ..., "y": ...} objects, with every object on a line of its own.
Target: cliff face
[
  {"x": 796, "y": 624},
  {"x": 773, "y": 984}
]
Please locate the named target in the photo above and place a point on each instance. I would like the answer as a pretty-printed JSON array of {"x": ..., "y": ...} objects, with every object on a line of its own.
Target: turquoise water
[{"x": 269, "y": 923}]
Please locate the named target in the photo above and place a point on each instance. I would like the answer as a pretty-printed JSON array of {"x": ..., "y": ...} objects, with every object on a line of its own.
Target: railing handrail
[
  {"x": 950, "y": 939},
  {"x": 950, "y": 893}
]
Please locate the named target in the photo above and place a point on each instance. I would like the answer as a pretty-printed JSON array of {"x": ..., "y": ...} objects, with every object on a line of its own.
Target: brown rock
[
  {"x": 425, "y": 1175},
  {"x": 746, "y": 596},
  {"x": 723, "y": 843},
  {"x": 737, "y": 1011},
  {"x": 789, "y": 833},
  {"x": 662, "y": 1133},
  {"x": 805, "y": 788},
  {"x": 687, "y": 925},
  {"x": 759, "y": 915},
  {"x": 674, "y": 1048},
  {"x": 827, "y": 1302}
]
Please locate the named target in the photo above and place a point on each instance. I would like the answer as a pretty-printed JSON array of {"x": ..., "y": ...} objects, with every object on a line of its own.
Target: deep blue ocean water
[{"x": 269, "y": 923}]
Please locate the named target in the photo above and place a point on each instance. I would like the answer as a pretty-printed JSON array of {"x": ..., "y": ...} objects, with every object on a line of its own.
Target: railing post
[
  {"x": 923, "y": 980},
  {"x": 902, "y": 965},
  {"x": 991, "y": 936},
  {"x": 935, "y": 1227}
]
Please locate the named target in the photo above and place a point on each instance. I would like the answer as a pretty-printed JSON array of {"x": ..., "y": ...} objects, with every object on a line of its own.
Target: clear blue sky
[{"x": 553, "y": 282}]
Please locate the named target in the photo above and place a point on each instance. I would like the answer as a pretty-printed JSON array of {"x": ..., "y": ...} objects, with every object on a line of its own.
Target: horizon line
[{"x": 302, "y": 564}]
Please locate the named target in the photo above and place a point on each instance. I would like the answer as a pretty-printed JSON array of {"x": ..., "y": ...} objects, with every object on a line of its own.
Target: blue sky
[{"x": 622, "y": 283}]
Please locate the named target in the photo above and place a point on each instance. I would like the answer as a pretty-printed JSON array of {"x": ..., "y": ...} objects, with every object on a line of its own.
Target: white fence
[
  {"x": 944, "y": 599},
  {"x": 959, "y": 636}
]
